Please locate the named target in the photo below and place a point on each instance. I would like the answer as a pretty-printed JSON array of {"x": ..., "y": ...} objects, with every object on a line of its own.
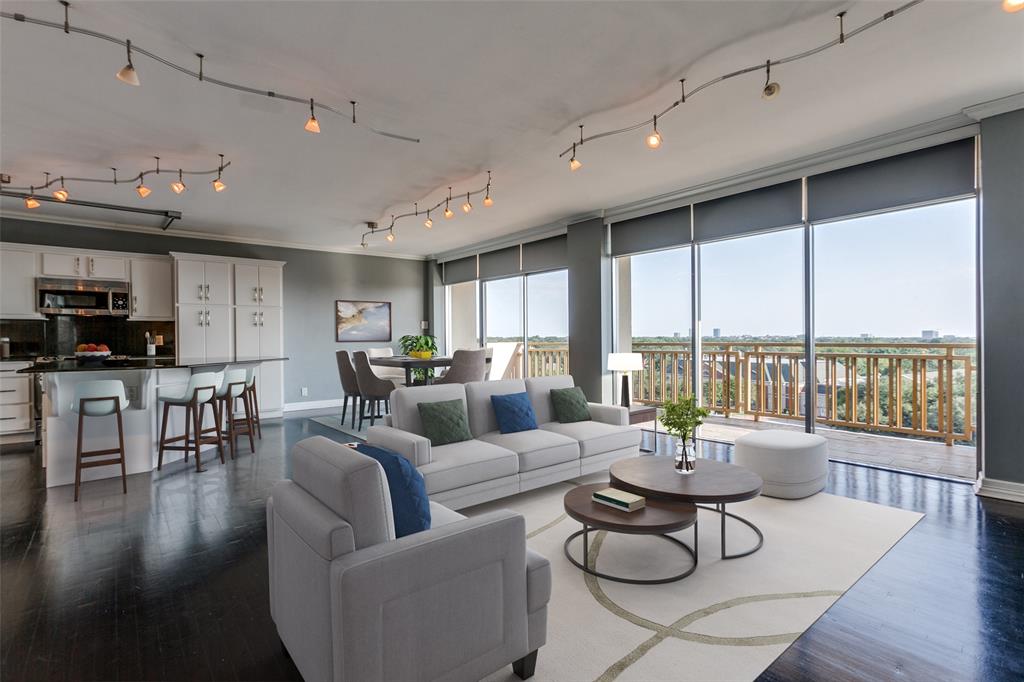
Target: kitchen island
[{"x": 144, "y": 378}]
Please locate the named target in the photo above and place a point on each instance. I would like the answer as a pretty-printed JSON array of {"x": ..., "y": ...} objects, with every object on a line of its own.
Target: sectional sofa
[{"x": 492, "y": 464}]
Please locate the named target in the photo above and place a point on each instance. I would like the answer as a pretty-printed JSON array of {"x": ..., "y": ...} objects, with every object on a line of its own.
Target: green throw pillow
[
  {"x": 570, "y": 405},
  {"x": 445, "y": 422}
]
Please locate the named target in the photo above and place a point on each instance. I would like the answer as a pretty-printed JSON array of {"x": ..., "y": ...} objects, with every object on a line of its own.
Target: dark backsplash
[{"x": 59, "y": 334}]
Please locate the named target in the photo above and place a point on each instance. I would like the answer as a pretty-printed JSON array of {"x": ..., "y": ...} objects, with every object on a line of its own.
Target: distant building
[
  {"x": 716, "y": 332},
  {"x": 866, "y": 336},
  {"x": 930, "y": 334},
  {"x": 676, "y": 335}
]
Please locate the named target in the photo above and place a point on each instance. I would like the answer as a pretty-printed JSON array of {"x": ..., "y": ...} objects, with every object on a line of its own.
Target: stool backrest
[
  {"x": 250, "y": 375},
  {"x": 106, "y": 388},
  {"x": 234, "y": 381},
  {"x": 203, "y": 386}
]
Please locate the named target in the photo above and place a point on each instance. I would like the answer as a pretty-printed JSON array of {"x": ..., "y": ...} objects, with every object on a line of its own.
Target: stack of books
[{"x": 619, "y": 499}]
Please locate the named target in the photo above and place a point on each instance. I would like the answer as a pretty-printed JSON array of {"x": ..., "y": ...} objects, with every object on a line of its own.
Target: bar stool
[
  {"x": 99, "y": 399},
  {"x": 200, "y": 392},
  {"x": 231, "y": 390},
  {"x": 254, "y": 401}
]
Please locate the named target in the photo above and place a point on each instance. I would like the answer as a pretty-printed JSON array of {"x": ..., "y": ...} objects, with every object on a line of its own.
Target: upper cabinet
[
  {"x": 83, "y": 265},
  {"x": 259, "y": 285},
  {"x": 18, "y": 283},
  {"x": 152, "y": 284},
  {"x": 202, "y": 281}
]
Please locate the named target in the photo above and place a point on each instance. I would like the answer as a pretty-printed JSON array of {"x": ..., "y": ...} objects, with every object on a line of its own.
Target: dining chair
[
  {"x": 372, "y": 388},
  {"x": 349, "y": 385},
  {"x": 394, "y": 374},
  {"x": 467, "y": 366}
]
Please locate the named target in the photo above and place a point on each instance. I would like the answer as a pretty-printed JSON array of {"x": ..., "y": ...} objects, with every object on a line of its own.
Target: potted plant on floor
[
  {"x": 681, "y": 419},
  {"x": 422, "y": 346}
]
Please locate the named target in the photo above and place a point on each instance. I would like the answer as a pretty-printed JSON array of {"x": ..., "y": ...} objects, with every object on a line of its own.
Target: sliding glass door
[
  {"x": 504, "y": 326},
  {"x": 547, "y": 323}
]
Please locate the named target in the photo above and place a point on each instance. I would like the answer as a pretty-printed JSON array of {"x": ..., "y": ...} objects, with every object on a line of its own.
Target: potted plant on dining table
[
  {"x": 423, "y": 347},
  {"x": 681, "y": 419}
]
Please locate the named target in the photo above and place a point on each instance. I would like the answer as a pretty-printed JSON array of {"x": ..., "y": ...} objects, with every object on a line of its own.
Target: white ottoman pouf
[{"x": 792, "y": 464}]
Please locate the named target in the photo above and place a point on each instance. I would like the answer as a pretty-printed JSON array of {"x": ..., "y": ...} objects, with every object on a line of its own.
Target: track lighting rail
[
  {"x": 843, "y": 37},
  {"x": 200, "y": 74},
  {"x": 170, "y": 216},
  {"x": 118, "y": 181}
]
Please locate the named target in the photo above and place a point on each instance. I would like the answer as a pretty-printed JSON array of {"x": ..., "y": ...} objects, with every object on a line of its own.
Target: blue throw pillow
[
  {"x": 409, "y": 503},
  {"x": 514, "y": 412}
]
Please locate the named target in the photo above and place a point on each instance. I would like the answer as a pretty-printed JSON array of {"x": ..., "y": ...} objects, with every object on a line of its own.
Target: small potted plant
[
  {"x": 422, "y": 346},
  {"x": 681, "y": 419}
]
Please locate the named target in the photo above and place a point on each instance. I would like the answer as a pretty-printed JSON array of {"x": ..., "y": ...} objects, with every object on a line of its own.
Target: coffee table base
[
  {"x": 631, "y": 581},
  {"x": 720, "y": 509}
]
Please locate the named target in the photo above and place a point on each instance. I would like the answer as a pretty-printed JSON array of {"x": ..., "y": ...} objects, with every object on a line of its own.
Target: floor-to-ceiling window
[
  {"x": 547, "y": 323},
  {"x": 895, "y": 321},
  {"x": 504, "y": 326},
  {"x": 752, "y": 338}
]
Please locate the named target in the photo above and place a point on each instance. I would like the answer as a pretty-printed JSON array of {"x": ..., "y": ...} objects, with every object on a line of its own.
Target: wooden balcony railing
[
  {"x": 543, "y": 359},
  {"x": 915, "y": 389}
]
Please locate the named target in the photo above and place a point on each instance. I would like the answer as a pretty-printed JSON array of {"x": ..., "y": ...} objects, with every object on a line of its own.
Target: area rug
[
  {"x": 336, "y": 424},
  {"x": 727, "y": 621}
]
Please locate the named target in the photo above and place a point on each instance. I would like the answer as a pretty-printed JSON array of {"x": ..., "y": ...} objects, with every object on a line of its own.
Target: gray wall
[
  {"x": 1002, "y": 295},
  {"x": 590, "y": 308},
  {"x": 313, "y": 280}
]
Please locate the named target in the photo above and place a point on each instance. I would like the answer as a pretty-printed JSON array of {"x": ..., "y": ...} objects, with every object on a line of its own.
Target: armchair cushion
[
  {"x": 410, "y": 505},
  {"x": 570, "y": 405},
  {"x": 445, "y": 422},
  {"x": 514, "y": 412}
]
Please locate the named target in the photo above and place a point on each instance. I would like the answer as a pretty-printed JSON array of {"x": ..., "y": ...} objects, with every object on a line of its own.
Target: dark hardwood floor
[{"x": 170, "y": 581}]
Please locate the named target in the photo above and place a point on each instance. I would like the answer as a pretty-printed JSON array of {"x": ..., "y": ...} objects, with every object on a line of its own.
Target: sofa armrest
[
  {"x": 413, "y": 447},
  {"x": 446, "y": 603},
  {"x": 609, "y": 414}
]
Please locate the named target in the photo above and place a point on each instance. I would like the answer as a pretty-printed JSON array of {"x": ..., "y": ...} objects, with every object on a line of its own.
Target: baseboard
[
  {"x": 1001, "y": 490},
  {"x": 312, "y": 405}
]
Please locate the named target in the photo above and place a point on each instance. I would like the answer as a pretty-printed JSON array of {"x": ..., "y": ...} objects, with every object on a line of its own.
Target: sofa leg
[{"x": 525, "y": 666}]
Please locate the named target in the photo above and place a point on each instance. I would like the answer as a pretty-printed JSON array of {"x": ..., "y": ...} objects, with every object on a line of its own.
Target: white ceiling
[{"x": 486, "y": 85}]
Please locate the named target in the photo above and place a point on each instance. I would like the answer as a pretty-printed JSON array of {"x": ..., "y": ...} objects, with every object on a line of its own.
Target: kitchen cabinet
[
  {"x": 18, "y": 284},
  {"x": 152, "y": 289},
  {"x": 202, "y": 281},
  {"x": 83, "y": 265},
  {"x": 258, "y": 332},
  {"x": 204, "y": 333},
  {"x": 258, "y": 284},
  {"x": 16, "y": 418}
]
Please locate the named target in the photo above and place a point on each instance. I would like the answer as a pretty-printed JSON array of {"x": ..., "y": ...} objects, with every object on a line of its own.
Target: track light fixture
[
  {"x": 653, "y": 139},
  {"x": 312, "y": 125},
  {"x": 428, "y": 223},
  {"x": 218, "y": 184},
  {"x": 488, "y": 201},
  {"x": 30, "y": 201},
  {"x": 179, "y": 186},
  {"x": 448, "y": 212},
  {"x": 127, "y": 74},
  {"x": 390, "y": 236},
  {"x": 143, "y": 191},
  {"x": 770, "y": 89},
  {"x": 61, "y": 194},
  {"x": 467, "y": 207},
  {"x": 1013, "y": 5}
]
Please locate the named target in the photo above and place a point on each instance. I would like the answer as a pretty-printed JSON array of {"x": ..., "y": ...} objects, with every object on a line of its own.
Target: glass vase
[{"x": 686, "y": 457}]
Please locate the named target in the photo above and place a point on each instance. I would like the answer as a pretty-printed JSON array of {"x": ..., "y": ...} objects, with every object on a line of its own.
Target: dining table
[{"x": 409, "y": 363}]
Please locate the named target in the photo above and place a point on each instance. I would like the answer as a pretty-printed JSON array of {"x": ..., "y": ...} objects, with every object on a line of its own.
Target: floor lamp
[{"x": 625, "y": 363}]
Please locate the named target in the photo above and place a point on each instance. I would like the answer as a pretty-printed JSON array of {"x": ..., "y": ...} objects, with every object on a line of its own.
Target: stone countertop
[{"x": 134, "y": 363}]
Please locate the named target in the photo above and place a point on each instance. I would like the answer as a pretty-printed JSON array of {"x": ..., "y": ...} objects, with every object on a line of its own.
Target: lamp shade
[{"x": 625, "y": 362}]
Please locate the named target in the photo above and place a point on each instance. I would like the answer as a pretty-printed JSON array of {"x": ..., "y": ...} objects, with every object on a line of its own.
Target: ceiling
[{"x": 485, "y": 85}]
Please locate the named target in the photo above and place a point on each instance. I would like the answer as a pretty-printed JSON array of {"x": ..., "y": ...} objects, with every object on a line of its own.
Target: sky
[{"x": 890, "y": 275}]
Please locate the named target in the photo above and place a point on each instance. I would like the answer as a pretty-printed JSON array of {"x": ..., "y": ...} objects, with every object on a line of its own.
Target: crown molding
[
  {"x": 995, "y": 107},
  {"x": 196, "y": 234}
]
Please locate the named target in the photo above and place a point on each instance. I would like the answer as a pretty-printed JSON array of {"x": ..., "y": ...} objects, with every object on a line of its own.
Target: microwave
[{"x": 81, "y": 297}]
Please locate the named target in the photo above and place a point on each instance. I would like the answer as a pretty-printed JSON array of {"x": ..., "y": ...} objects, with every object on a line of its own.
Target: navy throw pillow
[
  {"x": 514, "y": 412},
  {"x": 409, "y": 503}
]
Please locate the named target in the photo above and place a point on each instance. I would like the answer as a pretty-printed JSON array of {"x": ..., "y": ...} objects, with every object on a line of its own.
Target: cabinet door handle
[
  {"x": 135, "y": 305},
  {"x": 261, "y": 318},
  {"x": 8, "y": 390},
  {"x": 256, "y": 294},
  {"x": 7, "y": 419},
  {"x": 254, "y": 319},
  {"x": 200, "y": 292},
  {"x": 78, "y": 260},
  {"x": 92, "y": 266},
  {"x": 207, "y": 292},
  {"x": 261, "y": 294},
  {"x": 207, "y": 318},
  {"x": 200, "y": 318}
]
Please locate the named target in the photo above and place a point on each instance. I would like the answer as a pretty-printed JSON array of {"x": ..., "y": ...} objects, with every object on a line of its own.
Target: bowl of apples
[{"x": 92, "y": 352}]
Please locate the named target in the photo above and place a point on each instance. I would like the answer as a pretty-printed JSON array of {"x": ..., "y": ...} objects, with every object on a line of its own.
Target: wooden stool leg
[
  {"x": 229, "y": 407},
  {"x": 120, "y": 447},
  {"x": 218, "y": 431},
  {"x": 78, "y": 452},
  {"x": 188, "y": 428},
  {"x": 163, "y": 438},
  {"x": 197, "y": 422},
  {"x": 247, "y": 406},
  {"x": 256, "y": 411}
]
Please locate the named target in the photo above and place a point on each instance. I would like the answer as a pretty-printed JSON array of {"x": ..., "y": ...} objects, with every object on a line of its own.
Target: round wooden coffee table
[
  {"x": 658, "y": 517},
  {"x": 713, "y": 482}
]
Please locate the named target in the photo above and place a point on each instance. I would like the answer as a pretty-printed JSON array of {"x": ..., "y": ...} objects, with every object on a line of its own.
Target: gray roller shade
[
  {"x": 500, "y": 263},
  {"x": 758, "y": 210},
  {"x": 546, "y": 254},
  {"x": 664, "y": 230},
  {"x": 461, "y": 270},
  {"x": 921, "y": 176}
]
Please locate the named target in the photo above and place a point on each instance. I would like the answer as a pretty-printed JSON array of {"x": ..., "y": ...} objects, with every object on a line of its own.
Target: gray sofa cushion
[
  {"x": 596, "y": 438},
  {"x": 405, "y": 413},
  {"x": 539, "y": 389},
  {"x": 478, "y": 399},
  {"x": 472, "y": 461},
  {"x": 537, "y": 448},
  {"x": 352, "y": 485}
]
